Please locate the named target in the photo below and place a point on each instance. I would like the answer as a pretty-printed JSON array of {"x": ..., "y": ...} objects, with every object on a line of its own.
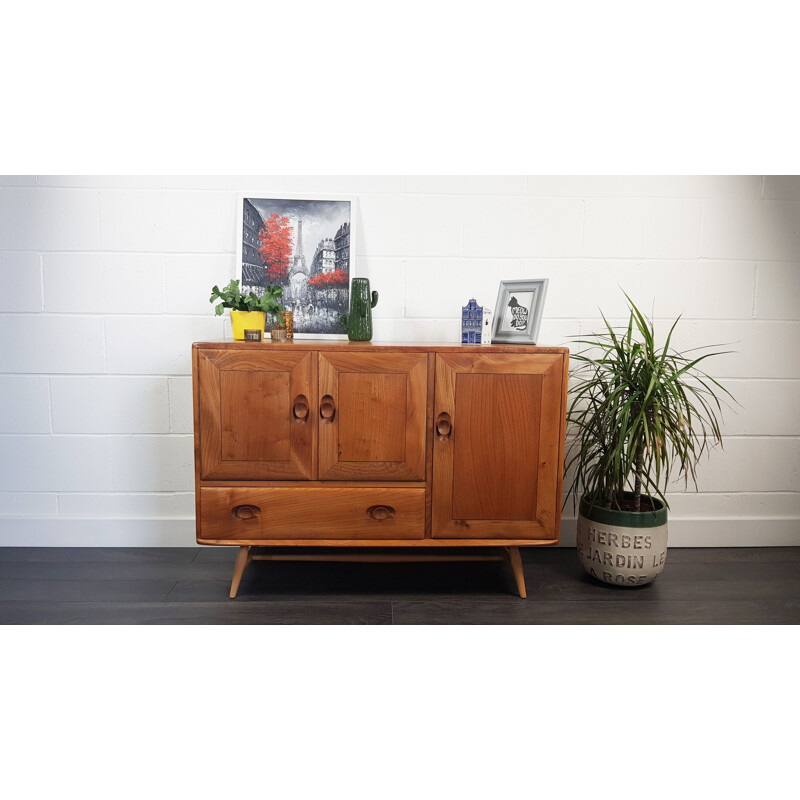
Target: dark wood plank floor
[{"x": 182, "y": 586}]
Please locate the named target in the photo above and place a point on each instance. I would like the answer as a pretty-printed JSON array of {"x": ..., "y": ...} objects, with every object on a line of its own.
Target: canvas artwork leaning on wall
[{"x": 305, "y": 246}]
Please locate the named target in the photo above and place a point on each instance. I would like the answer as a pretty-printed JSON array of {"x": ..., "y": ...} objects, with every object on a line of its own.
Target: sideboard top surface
[{"x": 343, "y": 344}]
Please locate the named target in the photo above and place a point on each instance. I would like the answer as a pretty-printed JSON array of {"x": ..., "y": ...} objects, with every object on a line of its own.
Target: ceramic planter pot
[
  {"x": 624, "y": 548},
  {"x": 244, "y": 320}
]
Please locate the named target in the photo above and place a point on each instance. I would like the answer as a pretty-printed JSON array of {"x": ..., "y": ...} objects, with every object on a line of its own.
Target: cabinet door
[
  {"x": 257, "y": 415},
  {"x": 497, "y": 455},
  {"x": 372, "y": 416}
]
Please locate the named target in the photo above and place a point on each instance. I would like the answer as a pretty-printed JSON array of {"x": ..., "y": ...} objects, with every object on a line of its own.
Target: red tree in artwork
[
  {"x": 330, "y": 280},
  {"x": 276, "y": 246}
]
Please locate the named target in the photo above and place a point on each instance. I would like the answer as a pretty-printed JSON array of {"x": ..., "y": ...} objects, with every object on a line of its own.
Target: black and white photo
[{"x": 518, "y": 313}]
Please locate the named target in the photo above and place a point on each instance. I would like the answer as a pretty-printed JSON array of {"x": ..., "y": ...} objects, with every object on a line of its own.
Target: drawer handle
[
  {"x": 300, "y": 409},
  {"x": 380, "y": 512},
  {"x": 327, "y": 408},
  {"x": 443, "y": 426},
  {"x": 245, "y": 512}
]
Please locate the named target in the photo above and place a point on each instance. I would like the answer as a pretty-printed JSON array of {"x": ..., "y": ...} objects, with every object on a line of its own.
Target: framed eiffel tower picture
[{"x": 305, "y": 246}]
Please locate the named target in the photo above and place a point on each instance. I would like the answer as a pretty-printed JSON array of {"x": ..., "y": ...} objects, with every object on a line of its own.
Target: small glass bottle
[{"x": 288, "y": 323}]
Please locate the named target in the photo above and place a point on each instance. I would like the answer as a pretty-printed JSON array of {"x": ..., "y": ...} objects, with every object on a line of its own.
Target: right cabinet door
[{"x": 497, "y": 456}]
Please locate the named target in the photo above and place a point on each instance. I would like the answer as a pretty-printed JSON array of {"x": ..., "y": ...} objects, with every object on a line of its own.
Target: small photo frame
[{"x": 518, "y": 313}]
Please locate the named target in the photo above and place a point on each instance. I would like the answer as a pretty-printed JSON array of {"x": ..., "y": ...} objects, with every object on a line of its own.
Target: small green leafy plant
[
  {"x": 232, "y": 297},
  {"x": 638, "y": 411}
]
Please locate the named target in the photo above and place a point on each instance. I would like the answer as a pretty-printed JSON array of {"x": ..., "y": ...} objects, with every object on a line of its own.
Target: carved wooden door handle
[
  {"x": 380, "y": 512},
  {"x": 245, "y": 511},
  {"x": 300, "y": 408},
  {"x": 444, "y": 426},
  {"x": 327, "y": 408}
]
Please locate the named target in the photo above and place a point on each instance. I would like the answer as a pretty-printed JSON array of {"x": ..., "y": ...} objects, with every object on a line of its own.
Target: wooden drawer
[{"x": 233, "y": 513}]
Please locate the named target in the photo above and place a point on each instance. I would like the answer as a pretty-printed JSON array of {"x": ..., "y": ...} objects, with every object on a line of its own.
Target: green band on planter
[{"x": 627, "y": 519}]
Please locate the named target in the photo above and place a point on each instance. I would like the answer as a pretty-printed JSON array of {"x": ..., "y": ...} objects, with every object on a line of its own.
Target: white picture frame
[
  {"x": 518, "y": 312},
  {"x": 316, "y": 308}
]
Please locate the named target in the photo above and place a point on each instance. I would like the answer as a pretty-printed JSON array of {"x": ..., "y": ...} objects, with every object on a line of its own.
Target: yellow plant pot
[{"x": 245, "y": 320}]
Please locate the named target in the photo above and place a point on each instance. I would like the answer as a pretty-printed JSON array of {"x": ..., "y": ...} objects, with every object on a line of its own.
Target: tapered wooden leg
[
  {"x": 242, "y": 560},
  {"x": 515, "y": 561}
]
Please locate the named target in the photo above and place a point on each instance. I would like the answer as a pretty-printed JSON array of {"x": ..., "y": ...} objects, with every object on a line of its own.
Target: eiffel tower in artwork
[{"x": 299, "y": 260}]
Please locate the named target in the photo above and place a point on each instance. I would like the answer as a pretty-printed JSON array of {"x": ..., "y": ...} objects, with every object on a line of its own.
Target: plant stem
[{"x": 637, "y": 483}]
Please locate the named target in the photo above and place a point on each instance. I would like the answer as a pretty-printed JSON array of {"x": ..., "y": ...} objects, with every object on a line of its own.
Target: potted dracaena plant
[
  {"x": 250, "y": 310},
  {"x": 638, "y": 413}
]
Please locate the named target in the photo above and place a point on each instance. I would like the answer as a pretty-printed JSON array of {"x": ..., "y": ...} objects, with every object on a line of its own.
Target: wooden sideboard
[{"x": 377, "y": 445}]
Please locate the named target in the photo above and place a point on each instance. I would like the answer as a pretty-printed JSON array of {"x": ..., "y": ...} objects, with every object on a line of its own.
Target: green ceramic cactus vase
[{"x": 358, "y": 323}]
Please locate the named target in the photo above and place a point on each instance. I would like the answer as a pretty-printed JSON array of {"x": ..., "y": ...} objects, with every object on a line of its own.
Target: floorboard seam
[{"x": 171, "y": 588}]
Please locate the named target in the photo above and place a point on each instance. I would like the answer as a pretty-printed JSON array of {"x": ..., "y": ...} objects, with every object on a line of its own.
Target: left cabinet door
[{"x": 257, "y": 415}]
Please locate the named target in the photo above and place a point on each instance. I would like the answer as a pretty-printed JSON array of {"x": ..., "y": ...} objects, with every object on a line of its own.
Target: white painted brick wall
[
  {"x": 24, "y": 404},
  {"x": 37, "y": 219},
  {"x": 106, "y": 282},
  {"x": 87, "y": 404},
  {"x": 158, "y": 345},
  {"x": 623, "y": 227},
  {"x": 167, "y": 222},
  {"x": 39, "y": 343},
  {"x": 516, "y": 227},
  {"x": 763, "y": 230},
  {"x": 95, "y": 283},
  {"x": 181, "y": 411},
  {"x": 21, "y": 279},
  {"x": 52, "y": 463},
  {"x": 410, "y": 225},
  {"x": 777, "y": 290}
]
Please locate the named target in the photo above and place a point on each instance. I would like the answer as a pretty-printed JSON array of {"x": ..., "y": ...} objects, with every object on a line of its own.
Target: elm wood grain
[
  {"x": 311, "y": 513},
  {"x": 198, "y": 456},
  {"x": 368, "y": 430},
  {"x": 410, "y": 542},
  {"x": 429, "y": 434},
  {"x": 375, "y": 347},
  {"x": 378, "y": 430},
  {"x": 318, "y": 484},
  {"x": 243, "y": 558},
  {"x": 375, "y": 558},
  {"x": 516, "y": 567},
  {"x": 248, "y": 399},
  {"x": 246, "y": 411},
  {"x": 376, "y": 406},
  {"x": 281, "y": 612},
  {"x": 496, "y": 448},
  {"x": 454, "y": 455}
]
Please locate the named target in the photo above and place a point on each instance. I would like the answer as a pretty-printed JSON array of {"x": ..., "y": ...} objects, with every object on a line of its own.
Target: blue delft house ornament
[{"x": 471, "y": 322}]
